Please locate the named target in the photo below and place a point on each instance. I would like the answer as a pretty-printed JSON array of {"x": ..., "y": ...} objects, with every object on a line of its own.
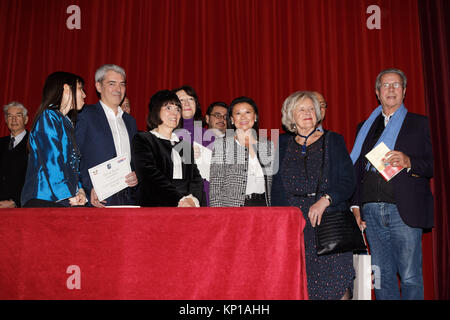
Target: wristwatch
[{"x": 327, "y": 197}]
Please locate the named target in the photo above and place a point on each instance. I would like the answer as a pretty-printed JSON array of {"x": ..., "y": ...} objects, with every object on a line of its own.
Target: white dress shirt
[
  {"x": 119, "y": 130},
  {"x": 255, "y": 177}
]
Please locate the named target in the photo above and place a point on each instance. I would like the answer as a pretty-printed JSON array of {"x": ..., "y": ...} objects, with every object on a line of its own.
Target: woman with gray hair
[{"x": 315, "y": 174}]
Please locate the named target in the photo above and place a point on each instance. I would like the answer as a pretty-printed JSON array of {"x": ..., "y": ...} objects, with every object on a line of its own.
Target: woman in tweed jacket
[{"x": 241, "y": 166}]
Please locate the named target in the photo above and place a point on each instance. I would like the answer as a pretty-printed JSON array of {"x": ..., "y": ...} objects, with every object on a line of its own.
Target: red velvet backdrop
[{"x": 265, "y": 49}]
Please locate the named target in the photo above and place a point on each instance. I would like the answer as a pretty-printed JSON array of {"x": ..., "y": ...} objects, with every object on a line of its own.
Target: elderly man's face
[
  {"x": 15, "y": 120},
  {"x": 391, "y": 98}
]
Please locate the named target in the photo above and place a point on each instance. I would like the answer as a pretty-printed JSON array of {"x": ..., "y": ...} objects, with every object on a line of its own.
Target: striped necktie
[{"x": 11, "y": 143}]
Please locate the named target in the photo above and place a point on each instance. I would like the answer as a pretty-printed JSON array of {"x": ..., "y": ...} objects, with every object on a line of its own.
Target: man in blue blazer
[
  {"x": 396, "y": 211},
  {"x": 103, "y": 131}
]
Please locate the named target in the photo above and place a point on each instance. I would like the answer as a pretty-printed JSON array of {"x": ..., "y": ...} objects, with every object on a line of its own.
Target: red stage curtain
[
  {"x": 153, "y": 253},
  {"x": 265, "y": 49},
  {"x": 434, "y": 17}
]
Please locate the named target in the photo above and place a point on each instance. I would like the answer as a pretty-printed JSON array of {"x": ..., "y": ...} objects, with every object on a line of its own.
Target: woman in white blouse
[
  {"x": 241, "y": 168},
  {"x": 167, "y": 174}
]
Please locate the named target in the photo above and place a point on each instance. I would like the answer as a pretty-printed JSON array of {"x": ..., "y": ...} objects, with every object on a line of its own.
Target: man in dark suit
[
  {"x": 395, "y": 212},
  {"x": 103, "y": 131},
  {"x": 13, "y": 155}
]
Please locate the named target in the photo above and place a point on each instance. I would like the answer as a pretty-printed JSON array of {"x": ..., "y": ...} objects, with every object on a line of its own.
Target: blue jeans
[{"x": 395, "y": 248}]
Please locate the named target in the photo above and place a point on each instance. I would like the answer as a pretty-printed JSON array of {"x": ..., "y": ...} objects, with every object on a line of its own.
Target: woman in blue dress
[
  {"x": 315, "y": 174},
  {"x": 52, "y": 178}
]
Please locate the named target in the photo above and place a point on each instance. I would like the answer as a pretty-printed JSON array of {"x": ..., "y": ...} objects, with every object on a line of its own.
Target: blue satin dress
[{"x": 53, "y": 162}]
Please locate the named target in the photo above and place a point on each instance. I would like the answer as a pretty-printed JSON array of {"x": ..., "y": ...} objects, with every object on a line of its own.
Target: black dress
[{"x": 328, "y": 276}]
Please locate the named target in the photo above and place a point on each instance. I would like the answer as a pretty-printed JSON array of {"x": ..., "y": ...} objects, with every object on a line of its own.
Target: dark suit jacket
[
  {"x": 13, "y": 167},
  {"x": 154, "y": 169},
  {"x": 412, "y": 189},
  {"x": 96, "y": 143}
]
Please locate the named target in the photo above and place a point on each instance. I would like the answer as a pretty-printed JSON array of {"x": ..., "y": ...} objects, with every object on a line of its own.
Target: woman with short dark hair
[{"x": 167, "y": 174}]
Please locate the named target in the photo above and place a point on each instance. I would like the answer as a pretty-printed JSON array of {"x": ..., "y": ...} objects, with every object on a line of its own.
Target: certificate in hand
[
  {"x": 108, "y": 177},
  {"x": 376, "y": 155},
  {"x": 203, "y": 162}
]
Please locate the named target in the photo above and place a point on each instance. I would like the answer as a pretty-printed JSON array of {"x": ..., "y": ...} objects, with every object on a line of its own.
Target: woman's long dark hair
[{"x": 52, "y": 93}]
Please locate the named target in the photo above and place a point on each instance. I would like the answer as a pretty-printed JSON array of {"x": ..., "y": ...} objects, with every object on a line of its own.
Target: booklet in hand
[{"x": 376, "y": 156}]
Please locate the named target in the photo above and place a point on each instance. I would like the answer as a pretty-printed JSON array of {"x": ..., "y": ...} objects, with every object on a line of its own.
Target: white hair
[
  {"x": 100, "y": 73},
  {"x": 291, "y": 102},
  {"x": 14, "y": 104}
]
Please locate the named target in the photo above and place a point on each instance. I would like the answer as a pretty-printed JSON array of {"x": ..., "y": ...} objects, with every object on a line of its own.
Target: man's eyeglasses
[
  {"x": 394, "y": 85},
  {"x": 10, "y": 116},
  {"x": 219, "y": 116}
]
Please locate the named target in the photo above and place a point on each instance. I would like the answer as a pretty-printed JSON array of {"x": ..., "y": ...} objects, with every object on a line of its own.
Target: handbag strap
[{"x": 321, "y": 166}]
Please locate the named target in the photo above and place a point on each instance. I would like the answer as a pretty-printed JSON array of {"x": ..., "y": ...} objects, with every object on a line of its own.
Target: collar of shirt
[
  {"x": 19, "y": 137},
  {"x": 174, "y": 138},
  {"x": 110, "y": 111},
  {"x": 386, "y": 118}
]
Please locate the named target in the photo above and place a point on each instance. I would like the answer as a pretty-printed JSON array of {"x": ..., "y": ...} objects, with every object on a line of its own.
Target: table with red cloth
[{"x": 152, "y": 253}]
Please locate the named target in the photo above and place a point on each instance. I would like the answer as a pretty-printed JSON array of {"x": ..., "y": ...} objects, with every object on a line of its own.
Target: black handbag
[{"x": 338, "y": 231}]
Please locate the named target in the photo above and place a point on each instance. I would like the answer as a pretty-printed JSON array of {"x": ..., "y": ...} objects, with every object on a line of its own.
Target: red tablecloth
[{"x": 152, "y": 253}]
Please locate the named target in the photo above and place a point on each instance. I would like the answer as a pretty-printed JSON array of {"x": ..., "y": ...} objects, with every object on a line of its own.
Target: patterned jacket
[{"x": 228, "y": 173}]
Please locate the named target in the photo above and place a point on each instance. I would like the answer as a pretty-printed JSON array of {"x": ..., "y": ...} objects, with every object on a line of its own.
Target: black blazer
[
  {"x": 154, "y": 168},
  {"x": 412, "y": 190},
  {"x": 13, "y": 168}
]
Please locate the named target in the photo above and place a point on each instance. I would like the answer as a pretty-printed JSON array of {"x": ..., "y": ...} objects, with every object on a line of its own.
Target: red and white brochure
[{"x": 376, "y": 156}]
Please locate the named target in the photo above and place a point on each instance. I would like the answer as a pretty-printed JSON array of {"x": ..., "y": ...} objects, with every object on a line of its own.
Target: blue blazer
[
  {"x": 53, "y": 161},
  {"x": 340, "y": 173},
  {"x": 96, "y": 143},
  {"x": 412, "y": 190}
]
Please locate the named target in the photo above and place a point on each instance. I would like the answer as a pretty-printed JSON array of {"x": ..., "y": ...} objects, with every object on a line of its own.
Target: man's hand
[
  {"x": 398, "y": 159},
  {"x": 131, "y": 179},
  {"x": 94, "y": 200}
]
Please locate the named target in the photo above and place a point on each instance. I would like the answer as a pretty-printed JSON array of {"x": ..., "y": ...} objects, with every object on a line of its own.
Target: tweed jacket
[{"x": 229, "y": 166}]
